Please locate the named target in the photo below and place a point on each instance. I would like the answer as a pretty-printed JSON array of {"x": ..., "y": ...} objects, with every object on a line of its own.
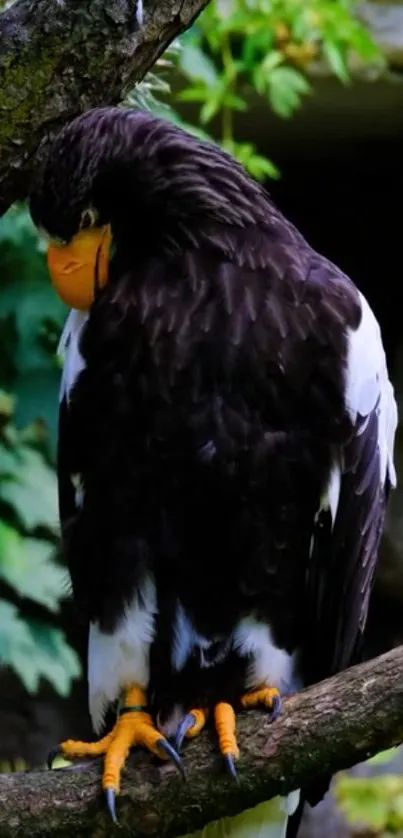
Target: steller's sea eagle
[{"x": 226, "y": 438}]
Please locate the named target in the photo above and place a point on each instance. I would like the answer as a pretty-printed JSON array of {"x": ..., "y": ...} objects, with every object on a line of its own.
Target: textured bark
[
  {"x": 331, "y": 726},
  {"x": 61, "y": 57}
]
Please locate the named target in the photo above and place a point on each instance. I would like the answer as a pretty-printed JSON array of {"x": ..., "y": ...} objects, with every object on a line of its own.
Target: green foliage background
[{"x": 236, "y": 50}]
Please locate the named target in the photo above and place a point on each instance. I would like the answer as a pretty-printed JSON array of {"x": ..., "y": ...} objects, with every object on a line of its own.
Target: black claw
[
  {"x": 275, "y": 708},
  {"x": 229, "y": 761},
  {"x": 187, "y": 722},
  {"x": 170, "y": 750},
  {"x": 55, "y": 752},
  {"x": 110, "y": 798}
]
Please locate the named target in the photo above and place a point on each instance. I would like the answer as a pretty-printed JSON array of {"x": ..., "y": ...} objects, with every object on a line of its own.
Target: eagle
[{"x": 225, "y": 446}]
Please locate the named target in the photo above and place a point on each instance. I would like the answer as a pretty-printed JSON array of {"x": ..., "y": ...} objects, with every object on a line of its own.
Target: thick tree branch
[
  {"x": 61, "y": 57},
  {"x": 331, "y": 726}
]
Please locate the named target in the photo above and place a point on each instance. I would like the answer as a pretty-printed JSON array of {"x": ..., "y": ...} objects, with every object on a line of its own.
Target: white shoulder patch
[
  {"x": 69, "y": 351},
  {"x": 368, "y": 385},
  {"x": 120, "y": 659}
]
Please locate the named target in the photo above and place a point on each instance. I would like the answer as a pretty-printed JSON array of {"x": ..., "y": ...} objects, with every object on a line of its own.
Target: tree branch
[
  {"x": 331, "y": 726},
  {"x": 61, "y": 57}
]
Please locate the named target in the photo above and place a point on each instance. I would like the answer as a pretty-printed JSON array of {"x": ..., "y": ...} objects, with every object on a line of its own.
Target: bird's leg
[
  {"x": 225, "y": 725},
  {"x": 134, "y": 726},
  {"x": 225, "y": 722}
]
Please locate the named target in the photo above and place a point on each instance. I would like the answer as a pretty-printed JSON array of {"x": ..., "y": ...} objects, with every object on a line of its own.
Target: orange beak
[{"x": 79, "y": 268}]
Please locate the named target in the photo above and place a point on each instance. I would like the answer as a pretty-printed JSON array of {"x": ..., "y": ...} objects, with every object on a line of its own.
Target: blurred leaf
[
  {"x": 35, "y": 650},
  {"x": 27, "y": 564},
  {"x": 374, "y": 802},
  {"x": 336, "y": 58},
  {"x": 33, "y": 492},
  {"x": 383, "y": 757},
  {"x": 54, "y": 659},
  {"x": 256, "y": 164},
  {"x": 285, "y": 85},
  {"x": 197, "y": 65}
]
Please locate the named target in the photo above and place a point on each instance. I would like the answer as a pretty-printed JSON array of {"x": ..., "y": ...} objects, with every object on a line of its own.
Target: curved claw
[
  {"x": 55, "y": 752},
  {"x": 170, "y": 751},
  {"x": 275, "y": 708},
  {"x": 110, "y": 798},
  {"x": 229, "y": 761},
  {"x": 187, "y": 722}
]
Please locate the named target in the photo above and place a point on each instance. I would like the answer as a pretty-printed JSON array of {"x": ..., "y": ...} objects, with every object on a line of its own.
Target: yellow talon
[
  {"x": 72, "y": 748},
  {"x": 200, "y": 718},
  {"x": 225, "y": 721},
  {"x": 225, "y": 724},
  {"x": 134, "y": 726},
  {"x": 266, "y": 696}
]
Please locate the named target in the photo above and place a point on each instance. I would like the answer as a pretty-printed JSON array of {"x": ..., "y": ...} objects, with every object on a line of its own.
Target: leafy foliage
[
  {"x": 238, "y": 48},
  {"x": 30, "y": 319},
  {"x": 372, "y": 805}
]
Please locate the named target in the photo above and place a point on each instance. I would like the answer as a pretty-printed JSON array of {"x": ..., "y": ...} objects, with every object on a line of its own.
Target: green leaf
[
  {"x": 33, "y": 493},
  {"x": 210, "y": 108},
  {"x": 30, "y": 305},
  {"x": 258, "y": 166},
  {"x": 197, "y": 65},
  {"x": 383, "y": 757},
  {"x": 54, "y": 658},
  {"x": 27, "y": 565},
  {"x": 193, "y": 94},
  {"x": 334, "y": 54},
  {"x": 15, "y": 639},
  {"x": 35, "y": 650},
  {"x": 38, "y": 398},
  {"x": 285, "y": 87}
]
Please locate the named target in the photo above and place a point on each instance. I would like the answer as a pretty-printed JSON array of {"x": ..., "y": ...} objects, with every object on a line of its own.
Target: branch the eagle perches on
[{"x": 330, "y": 726}]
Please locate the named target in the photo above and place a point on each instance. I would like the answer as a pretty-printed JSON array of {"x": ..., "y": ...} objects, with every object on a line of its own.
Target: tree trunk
[
  {"x": 328, "y": 727},
  {"x": 61, "y": 57}
]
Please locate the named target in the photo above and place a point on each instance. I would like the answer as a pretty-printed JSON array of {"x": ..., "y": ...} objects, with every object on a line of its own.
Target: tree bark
[
  {"x": 61, "y": 57},
  {"x": 328, "y": 727}
]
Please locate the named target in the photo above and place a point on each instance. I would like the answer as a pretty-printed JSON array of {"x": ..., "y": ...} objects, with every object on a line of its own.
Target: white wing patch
[
  {"x": 120, "y": 659},
  {"x": 368, "y": 386},
  {"x": 69, "y": 351},
  {"x": 333, "y": 489}
]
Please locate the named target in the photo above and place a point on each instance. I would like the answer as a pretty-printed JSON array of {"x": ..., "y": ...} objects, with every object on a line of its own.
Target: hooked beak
[{"x": 80, "y": 268}]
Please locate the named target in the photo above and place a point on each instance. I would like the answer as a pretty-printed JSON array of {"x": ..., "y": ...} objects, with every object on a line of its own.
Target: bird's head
[
  {"x": 125, "y": 176},
  {"x": 80, "y": 193}
]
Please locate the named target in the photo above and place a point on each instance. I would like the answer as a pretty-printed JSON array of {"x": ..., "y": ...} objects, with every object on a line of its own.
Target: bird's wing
[{"x": 350, "y": 521}]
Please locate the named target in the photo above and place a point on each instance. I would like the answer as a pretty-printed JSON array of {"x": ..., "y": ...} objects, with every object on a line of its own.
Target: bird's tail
[{"x": 268, "y": 820}]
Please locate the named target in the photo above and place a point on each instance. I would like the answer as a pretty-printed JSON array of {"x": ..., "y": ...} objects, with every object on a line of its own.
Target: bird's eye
[{"x": 88, "y": 218}]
